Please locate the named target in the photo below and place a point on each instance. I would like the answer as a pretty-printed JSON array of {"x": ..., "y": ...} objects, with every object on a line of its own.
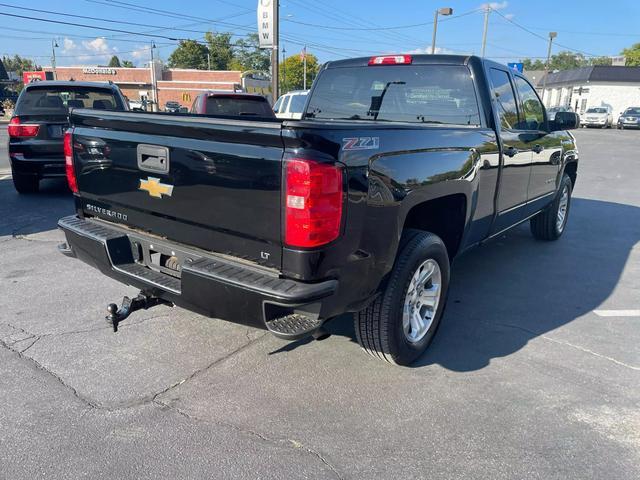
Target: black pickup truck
[{"x": 399, "y": 164}]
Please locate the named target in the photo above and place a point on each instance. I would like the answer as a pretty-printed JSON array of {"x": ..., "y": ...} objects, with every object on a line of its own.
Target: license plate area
[{"x": 158, "y": 257}]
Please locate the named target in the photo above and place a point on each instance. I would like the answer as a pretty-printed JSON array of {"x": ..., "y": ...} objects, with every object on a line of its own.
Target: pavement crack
[
  {"x": 209, "y": 366},
  {"x": 279, "y": 442},
  {"x": 568, "y": 344},
  {"x": 41, "y": 367},
  {"x": 35, "y": 340}
]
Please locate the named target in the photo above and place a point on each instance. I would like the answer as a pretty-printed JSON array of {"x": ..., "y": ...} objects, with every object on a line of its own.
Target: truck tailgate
[{"x": 210, "y": 183}]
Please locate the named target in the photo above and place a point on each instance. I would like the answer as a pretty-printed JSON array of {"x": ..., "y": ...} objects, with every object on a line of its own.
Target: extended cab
[{"x": 398, "y": 164}]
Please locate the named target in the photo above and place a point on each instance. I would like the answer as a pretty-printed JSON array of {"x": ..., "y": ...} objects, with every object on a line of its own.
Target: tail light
[
  {"x": 391, "y": 60},
  {"x": 17, "y": 129},
  {"x": 313, "y": 210},
  {"x": 68, "y": 162}
]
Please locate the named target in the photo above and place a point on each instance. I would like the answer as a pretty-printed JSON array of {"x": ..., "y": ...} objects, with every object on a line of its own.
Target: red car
[{"x": 233, "y": 105}]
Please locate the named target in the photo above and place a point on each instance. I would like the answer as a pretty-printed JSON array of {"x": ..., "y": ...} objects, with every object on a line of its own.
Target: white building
[{"x": 597, "y": 86}]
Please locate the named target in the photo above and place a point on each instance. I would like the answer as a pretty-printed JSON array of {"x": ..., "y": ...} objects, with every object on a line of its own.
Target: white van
[{"x": 290, "y": 105}]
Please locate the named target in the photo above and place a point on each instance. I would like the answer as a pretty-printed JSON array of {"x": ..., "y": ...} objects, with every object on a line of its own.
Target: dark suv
[
  {"x": 233, "y": 105},
  {"x": 39, "y": 121}
]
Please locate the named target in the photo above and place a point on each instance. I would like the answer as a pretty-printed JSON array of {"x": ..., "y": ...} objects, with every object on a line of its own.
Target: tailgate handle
[{"x": 153, "y": 158}]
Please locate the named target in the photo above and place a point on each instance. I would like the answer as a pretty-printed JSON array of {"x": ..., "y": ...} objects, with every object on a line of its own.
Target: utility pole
[
  {"x": 439, "y": 11},
  {"x": 284, "y": 69},
  {"x": 304, "y": 68},
  {"x": 54, "y": 44},
  {"x": 208, "y": 61},
  {"x": 274, "y": 52},
  {"x": 487, "y": 11},
  {"x": 552, "y": 35},
  {"x": 154, "y": 84}
]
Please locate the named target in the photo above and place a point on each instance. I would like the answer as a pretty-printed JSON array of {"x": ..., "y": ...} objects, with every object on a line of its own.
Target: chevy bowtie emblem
[{"x": 154, "y": 187}]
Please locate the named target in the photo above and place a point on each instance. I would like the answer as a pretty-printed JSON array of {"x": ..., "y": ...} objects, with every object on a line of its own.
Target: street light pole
[
  {"x": 274, "y": 52},
  {"x": 552, "y": 35},
  {"x": 284, "y": 69},
  {"x": 484, "y": 31},
  {"x": 441, "y": 11}
]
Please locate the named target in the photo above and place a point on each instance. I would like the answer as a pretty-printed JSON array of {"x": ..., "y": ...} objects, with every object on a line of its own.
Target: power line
[
  {"x": 522, "y": 27},
  {"x": 137, "y": 24},
  {"x": 398, "y": 27}
]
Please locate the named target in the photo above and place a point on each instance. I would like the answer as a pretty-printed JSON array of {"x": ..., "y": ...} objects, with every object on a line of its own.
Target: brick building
[{"x": 180, "y": 85}]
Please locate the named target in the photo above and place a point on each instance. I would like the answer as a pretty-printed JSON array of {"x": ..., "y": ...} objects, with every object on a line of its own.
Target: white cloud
[
  {"x": 509, "y": 16},
  {"x": 495, "y": 5},
  {"x": 442, "y": 50},
  {"x": 88, "y": 52}
]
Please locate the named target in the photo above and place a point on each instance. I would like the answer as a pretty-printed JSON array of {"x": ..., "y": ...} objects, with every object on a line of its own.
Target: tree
[
  {"x": 529, "y": 64},
  {"x": 220, "y": 50},
  {"x": 19, "y": 64},
  {"x": 249, "y": 56},
  {"x": 128, "y": 64},
  {"x": 114, "y": 62},
  {"x": 565, "y": 61},
  {"x": 189, "y": 54},
  {"x": 291, "y": 72},
  {"x": 632, "y": 55}
]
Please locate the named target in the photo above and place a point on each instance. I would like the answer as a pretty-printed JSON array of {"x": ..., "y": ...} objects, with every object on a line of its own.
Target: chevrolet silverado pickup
[{"x": 398, "y": 164}]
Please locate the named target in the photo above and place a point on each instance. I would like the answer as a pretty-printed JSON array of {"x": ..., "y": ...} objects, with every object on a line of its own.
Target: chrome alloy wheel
[
  {"x": 422, "y": 300},
  {"x": 563, "y": 207}
]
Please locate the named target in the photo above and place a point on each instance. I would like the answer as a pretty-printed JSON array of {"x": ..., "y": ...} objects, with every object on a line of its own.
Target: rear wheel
[
  {"x": 25, "y": 183},
  {"x": 550, "y": 223},
  {"x": 401, "y": 323}
]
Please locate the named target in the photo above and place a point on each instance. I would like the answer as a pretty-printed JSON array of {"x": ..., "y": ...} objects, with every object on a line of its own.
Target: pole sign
[
  {"x": 518, "y": 67},
  {"x": 29, "y": 77},
  {"x": 266, "y": 22}
]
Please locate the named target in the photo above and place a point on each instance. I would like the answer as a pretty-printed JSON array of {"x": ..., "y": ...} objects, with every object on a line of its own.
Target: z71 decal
[{"x": 361, "y": 143}]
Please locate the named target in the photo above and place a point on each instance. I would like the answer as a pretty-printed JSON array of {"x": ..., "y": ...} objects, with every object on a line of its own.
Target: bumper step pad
[{"x": 294, "y": 326}]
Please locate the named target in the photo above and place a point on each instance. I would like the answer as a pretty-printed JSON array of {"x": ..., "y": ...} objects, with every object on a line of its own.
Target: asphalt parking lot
[{"x": 535, "y": 372}]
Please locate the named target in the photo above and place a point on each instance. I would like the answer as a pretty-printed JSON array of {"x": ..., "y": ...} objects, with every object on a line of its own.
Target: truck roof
[{"x": 416, "y": 60}]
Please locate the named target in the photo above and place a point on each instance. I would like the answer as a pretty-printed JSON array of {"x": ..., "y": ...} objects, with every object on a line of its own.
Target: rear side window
[
  {"x": 297, "y": 103},
  {"x": 436, "y": 94},
  {"x": 505, "y": 98},
  {"x": 238, "y": 106},
  {"x": 58, "y": 100}
]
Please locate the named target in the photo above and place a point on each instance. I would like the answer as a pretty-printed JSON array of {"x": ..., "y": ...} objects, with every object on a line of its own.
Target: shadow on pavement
[
  {"x": 514, "y": 288},
  {"x": 34, "y": 213}
]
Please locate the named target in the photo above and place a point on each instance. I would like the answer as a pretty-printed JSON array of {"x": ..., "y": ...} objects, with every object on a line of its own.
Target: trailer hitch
[{"x": 129, "y": 305}]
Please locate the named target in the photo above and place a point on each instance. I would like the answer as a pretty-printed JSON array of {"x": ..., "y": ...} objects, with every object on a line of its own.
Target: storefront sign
[
  {"x": 99, "y": 71},
  {"x": 28, "y": 77},
  {"x": 266, "y": 20}
]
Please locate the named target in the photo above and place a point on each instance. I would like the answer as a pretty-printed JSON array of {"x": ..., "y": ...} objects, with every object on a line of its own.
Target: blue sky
[{"x": 594, "y": 28}]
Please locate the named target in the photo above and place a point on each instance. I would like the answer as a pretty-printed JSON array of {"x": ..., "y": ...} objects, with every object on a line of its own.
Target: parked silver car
[{"x": 598, "y": 117}]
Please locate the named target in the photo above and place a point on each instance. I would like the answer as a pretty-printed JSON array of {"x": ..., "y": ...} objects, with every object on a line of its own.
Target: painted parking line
[{"x": 617, "y": 313}]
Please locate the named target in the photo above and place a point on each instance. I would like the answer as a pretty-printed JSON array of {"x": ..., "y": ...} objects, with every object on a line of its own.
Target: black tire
[
  {"x": 25, "y": 184},
  {"x": 379, "y": 327},
  {"x": 544, "y": 226}
]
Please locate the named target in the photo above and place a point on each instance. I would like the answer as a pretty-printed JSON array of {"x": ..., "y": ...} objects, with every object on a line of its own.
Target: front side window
[
  {"x": 532, "y": 117},
  {"x": 425, "y": 94},
  {"x": 505, "y": 98}
]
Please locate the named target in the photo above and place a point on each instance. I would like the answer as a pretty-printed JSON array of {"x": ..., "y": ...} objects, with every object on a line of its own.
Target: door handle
[
  {"x": 538, "y": 148},
  {"x": 510, "y": 151}
]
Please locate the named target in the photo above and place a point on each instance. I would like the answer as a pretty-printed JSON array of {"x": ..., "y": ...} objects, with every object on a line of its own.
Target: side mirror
[{"x": 565, "y": 121}]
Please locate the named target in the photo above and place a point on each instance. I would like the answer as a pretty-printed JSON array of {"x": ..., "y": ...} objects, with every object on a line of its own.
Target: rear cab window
[
  {"x": 421, "y": 94},
  {"x": 59, "y": 99},
  {"x": 238, "y": 106}
]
